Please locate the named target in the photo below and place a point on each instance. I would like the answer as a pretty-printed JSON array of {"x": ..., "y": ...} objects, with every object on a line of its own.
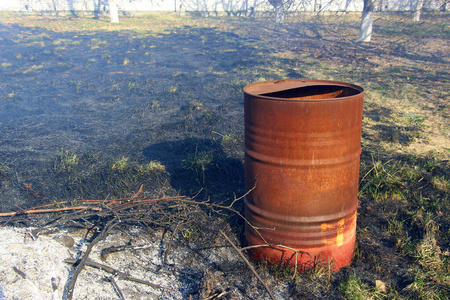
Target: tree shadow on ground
[{"x": 110, "y": 95}]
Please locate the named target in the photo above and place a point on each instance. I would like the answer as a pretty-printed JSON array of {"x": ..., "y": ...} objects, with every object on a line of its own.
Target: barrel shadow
[{"x": 200, "y": 167}]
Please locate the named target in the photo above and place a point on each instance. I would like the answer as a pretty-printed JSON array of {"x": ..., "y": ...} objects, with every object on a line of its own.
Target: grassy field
[{"x": 175, "y": 82}]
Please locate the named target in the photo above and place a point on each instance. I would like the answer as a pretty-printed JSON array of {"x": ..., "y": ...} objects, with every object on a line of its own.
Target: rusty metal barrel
[{"x": 302, "y": 156}]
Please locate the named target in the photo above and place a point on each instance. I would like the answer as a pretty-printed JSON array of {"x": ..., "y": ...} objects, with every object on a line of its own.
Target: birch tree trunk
[
  {"x": 113, "y": 11},
  {"x": 279, "y": 10},
  {"x": 418, "y": 10},
  {"x": 443, "y": 7},
  {"x": 55, "y": 8},
  {"x": 365, "y": 33},
  {"x": 279, "y": 14}
]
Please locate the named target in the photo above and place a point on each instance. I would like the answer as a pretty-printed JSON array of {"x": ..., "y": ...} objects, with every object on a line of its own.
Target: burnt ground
[
  {"x": 105, "y": 110},
  {"x": 84, "y": 112}
]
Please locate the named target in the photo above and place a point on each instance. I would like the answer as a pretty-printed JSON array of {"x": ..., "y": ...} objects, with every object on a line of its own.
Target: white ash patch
[{"x": 35, "y": 269}]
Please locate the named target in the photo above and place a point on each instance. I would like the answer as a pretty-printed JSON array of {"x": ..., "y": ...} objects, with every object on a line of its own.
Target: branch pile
[{"x": 99, "y": 217}]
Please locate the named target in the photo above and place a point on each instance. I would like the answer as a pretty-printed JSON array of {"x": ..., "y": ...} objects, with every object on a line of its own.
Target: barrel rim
[{"x": 302, "y": 83}]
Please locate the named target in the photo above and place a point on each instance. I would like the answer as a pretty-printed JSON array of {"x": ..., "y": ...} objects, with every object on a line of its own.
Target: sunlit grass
[
  {"x": 151, "y": 23},
  {"x": 121, "y": 164},
  {"x": 355, "y": 289},
  {"x": 151, "y": 167},
  {"x": 33, "y": 68}
]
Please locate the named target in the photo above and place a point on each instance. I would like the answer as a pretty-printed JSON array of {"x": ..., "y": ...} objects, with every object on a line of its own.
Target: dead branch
[
  {"x": 217, "y": 296},
  {"x": 243, "y": 196},
  {"x": 79, "y": 265},
  {"x": 21, "y": 273},
  {"x": 248, "y": 264},
  {"x": 122, "y": 275},
  {"x": 116, "y": 287},
  {"x": 294, "y": 255},
  {"x": 166, "y": 252},
  {"x": 132, "y": 209},
  {"x": 123, "y": 203},
  {"x": 50, "y": 210},
  {"x": 106, "y": 251},
  {"x": 141, "y": 189}
]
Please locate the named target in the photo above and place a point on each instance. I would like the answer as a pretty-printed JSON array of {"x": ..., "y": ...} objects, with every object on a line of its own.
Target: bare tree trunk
[
  {"x": 418, "y": 10},
  {"x": 443, "y": 7},
  {"x": 97, "y": 6},
  {"x": 55, "y": 8},
  {"x": 279, "y": 10},
  {"x": 365, "y": 33},
  {"x": 279, "y": 14},
  {"x": 114, "y": 12}
]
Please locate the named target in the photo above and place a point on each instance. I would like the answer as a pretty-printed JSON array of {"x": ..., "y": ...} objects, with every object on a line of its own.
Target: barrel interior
[{"x": 314, "y": 92}]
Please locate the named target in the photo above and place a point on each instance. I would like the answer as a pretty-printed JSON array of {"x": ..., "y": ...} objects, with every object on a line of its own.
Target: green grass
[
  {"x": 151, "y": 167},
  {"x": 431, "y": 274},
  {"x": 403, "y": 192},
  {"x": 355, "y": 289},
  {"x": 67, "y": 160},
  {"x": 121, "y": 164},
  {"x": 198, "y": 163}
]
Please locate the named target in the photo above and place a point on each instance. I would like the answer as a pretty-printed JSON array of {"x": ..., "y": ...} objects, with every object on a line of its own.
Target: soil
[{"x": 75, "y": 103}]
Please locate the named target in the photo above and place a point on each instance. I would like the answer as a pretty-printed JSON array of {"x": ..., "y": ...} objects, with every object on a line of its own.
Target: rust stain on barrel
[{"x": 302, "y": 149}]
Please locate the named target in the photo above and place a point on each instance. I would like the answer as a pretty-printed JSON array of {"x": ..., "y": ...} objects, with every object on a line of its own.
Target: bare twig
[
  {"x": 79, "y": 265},
  {"x": 294, "y": 255},
  {"x": 106, "y": 251},
  {"x": 166, "y": 252},
  {"x": 134, "y": 209},
  {"x": 116, "y": 287},
  {"x": 243, "y": 196},
  {"x": 122, "y": 204},
  {"x": 141, "y": 189},
  {"x": 50, "y": 210},
  {"x": 21, "y": 273},
  {"x": 121, "y": 275},
  {"x": 248, "y": 264},
  {"x": 217, "y": 296}
]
